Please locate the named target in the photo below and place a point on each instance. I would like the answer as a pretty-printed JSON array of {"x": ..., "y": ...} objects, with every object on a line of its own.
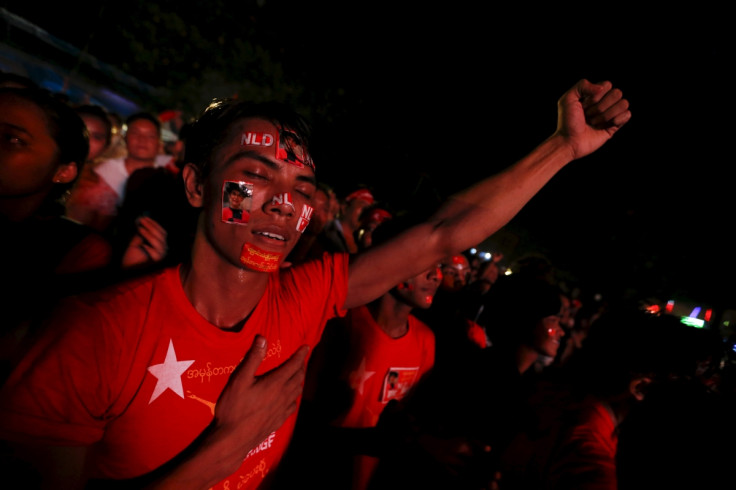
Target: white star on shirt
[
  {"x": 359, "y": 377},
  {"x": 169, "y": 374}
]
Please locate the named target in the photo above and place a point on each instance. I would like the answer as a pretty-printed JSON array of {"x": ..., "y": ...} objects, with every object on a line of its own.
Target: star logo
[
  {"x": 169, "y": 374},
  {"x": 359, "y": 377}
]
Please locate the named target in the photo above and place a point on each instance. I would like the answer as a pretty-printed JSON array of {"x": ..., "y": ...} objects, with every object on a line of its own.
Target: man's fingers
[
  {"x": 253, "y": 357},
  {"x": 609, "y": 99},
  {"x": 151, "y": 231},
  {"x": 615, "y": 114}
]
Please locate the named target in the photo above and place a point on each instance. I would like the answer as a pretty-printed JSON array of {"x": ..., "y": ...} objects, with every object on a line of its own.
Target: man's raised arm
[{"x": 589, "y": 114}]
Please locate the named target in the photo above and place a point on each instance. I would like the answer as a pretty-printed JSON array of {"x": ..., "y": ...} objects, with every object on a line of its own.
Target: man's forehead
[{"x": 263, "y": 137}]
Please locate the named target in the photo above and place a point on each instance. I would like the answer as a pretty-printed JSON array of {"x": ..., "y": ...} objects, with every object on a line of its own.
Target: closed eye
[
  {"x": 255, "y": 176},
  {"x": 306, "y": 195}
]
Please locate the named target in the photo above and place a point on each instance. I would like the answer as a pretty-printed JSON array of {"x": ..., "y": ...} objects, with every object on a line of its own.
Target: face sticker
[
  {"x": 237, "y": 197},
  {"x": 257, "y": 138},
  {"x": 283, "y": 199},
  {"x": 301, "y": 225},
  {"x": 288, "y": 146},
  {"x": 258, "y": 259}
]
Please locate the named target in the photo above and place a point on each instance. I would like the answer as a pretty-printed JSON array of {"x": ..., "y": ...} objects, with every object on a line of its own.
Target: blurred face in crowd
[
  {"x": 547, "y": 334},
  {"x": 98, "y": 135},
  {"x": 282, "y": 195},
  {"x": 352, "y": 211},
  {"x": 321, "y": 204},
  {"x": 142, "y": 140},
  {"x": 29, "y": 163},
  {"x": 419, "y": 291},
  {"x": 455, "y": 272}
]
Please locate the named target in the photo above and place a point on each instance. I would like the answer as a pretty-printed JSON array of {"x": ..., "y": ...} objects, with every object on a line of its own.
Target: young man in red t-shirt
[
  {"x": 191, "y": 378},
  {"x": 374, "y": 355}
]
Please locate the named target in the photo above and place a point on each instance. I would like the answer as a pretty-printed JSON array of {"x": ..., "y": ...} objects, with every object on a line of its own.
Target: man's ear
[
  {"x": 192, "y": 185},
  {"x": 65, "y": 173},
  {"x": 638, "y": 387}
]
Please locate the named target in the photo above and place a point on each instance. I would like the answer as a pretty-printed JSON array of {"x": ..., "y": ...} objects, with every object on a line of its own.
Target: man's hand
[
  {"x": 589, "y": 114},
  {"x": 148, "y": 245},
  {"x": 251, "y": 407}
]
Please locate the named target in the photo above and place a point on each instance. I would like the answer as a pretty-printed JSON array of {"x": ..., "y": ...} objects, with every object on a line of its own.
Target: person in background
[
  {"x": 571, "y": 435},
  {"x": 373, "y": 355},
  {"x": 339, "y": 235},
  {"x": 43, "y": 148},
  {"x": 95, "y": 200},
  {"x": 459, "y": 418},
  {"x": 99, "y": 128},
  {"x": 371, "y": 218}
]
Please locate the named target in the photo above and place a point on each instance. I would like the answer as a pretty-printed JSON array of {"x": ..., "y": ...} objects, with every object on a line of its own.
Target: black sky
[{"x": 449, "y": 94}]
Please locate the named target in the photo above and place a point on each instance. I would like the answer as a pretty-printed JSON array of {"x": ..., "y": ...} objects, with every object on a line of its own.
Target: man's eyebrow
[
  {"x": 16, "y": 127},
  {"x": 252, "y": 155},
  {"x": 273, "y": 165},
  {"x": 307, "y": 178}
]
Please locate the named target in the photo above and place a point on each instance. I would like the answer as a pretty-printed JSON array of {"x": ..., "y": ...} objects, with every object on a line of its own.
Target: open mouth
[{"x": 273, "y": 236}]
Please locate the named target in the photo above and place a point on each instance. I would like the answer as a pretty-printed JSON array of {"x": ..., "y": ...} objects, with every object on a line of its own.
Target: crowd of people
[{"x": 212, "y": 314}]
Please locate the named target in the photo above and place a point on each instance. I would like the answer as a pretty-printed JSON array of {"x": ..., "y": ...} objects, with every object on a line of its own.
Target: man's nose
[{"x": 281, "y": 203}]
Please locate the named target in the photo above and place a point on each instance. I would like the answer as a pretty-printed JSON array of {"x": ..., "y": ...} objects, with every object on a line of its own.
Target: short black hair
[
  {"x": 65, "y": 127},
  {"x": 98, "y": 112},
  {"x": 147, "y": 116},
  {"x": 210, "y": 129}
]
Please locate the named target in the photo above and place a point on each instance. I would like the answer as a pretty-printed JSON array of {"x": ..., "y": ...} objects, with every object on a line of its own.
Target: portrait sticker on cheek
[
  {"x": 301, "y": 225},
  {"x": 237, "y": 197}
]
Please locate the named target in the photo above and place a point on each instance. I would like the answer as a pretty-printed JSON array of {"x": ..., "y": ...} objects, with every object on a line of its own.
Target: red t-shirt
[
  {"x": 136, "y": 370},
  {"x": 381, "y": 368}
]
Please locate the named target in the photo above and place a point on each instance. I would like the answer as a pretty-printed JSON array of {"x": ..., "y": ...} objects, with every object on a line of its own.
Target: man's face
[
  {"x": 352, "y": 210},
  {"x": 98, "y": 137},
  {"x": 455, "y": 273},
  {"x": 547, "y": 335},
  {"x": 419, "y": 291},
  {"x": 282, "y": 193},
  {"x": 142, "y": 140},
  {"x": 28, "y": 153}
]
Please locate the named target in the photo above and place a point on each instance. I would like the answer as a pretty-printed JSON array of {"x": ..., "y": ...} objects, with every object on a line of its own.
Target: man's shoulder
[
  {"x": 108, "y": 164},
  {"x": 134, "y": 291},
  {"x": 420, "y": 328}
]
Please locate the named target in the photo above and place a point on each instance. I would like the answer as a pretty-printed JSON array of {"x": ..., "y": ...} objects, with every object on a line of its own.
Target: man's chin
[{"x": 260, "y": 260}]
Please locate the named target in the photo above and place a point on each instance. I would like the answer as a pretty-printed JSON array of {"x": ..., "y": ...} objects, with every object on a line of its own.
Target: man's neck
[
  {"x": 391, "y": 315},
  {"x": 223, "y": 293}
]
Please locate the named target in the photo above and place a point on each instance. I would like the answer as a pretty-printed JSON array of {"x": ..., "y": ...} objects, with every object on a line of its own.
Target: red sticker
[
  {"x": 304, "y": 219},
  {"x": 287, "y": 144},
  {"x": 259, "y": 260},
  {"x": 283, "y": 198}
]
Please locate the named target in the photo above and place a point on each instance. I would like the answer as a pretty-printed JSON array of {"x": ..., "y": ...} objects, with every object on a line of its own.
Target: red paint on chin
[
  {"x": 428, "y": 299},
  {"x": 258, "y": 259}
]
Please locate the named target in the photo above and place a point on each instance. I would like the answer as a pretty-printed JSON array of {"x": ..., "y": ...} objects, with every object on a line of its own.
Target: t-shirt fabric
[
  {"x": 382, "y": 368},
  {"x": 136, "y": 370}
]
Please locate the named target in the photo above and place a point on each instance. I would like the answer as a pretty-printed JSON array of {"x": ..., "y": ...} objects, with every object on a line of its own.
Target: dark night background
[{"x": 421, "y": 101}]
